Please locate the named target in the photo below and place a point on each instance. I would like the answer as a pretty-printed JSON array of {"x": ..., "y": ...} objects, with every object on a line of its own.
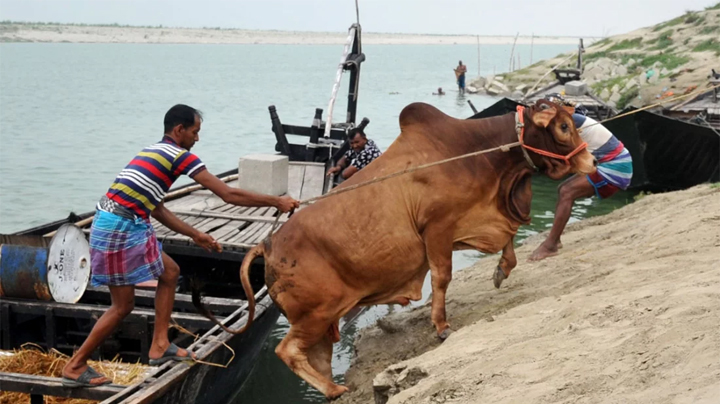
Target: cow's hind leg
[
  {"x": 320, "y": 355},
  {"x": 508, "y": 261},
  {"x": 439, "y": 254},
  {"x": 307, "y": 339}
]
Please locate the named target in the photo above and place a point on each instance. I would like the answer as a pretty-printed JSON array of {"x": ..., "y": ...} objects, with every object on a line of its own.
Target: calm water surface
[{"x": 72, "y": 116}]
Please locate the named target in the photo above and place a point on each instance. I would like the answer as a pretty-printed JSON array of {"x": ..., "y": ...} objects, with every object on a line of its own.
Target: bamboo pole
[
  {"x": 478, "y": 46},
  {"x": 338, "y": 76},
  {"x": 512, "y": 52},
  {"x": 79, "y": 223},
  {"x": 532, "y": 41}
]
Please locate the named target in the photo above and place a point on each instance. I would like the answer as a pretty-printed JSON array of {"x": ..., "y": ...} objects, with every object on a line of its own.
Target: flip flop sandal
[
  {"x": 170, "y": 355},
  {"x": 84, "y": 379}
]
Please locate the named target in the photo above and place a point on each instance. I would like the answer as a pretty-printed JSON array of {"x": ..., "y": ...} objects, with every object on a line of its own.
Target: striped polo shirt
[
  {"x": 601, "y": 142},
  {"x": 143, "y": 183},
  {"x": 614, "y": 160}
]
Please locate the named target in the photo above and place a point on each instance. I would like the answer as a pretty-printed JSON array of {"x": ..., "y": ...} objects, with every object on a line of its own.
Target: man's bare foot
[
  {"x": 73, "y": 371},
  {"x": 543, "y": 251}
]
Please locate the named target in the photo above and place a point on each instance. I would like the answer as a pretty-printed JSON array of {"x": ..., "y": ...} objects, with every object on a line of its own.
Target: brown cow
[{"x": 326, "y": 260}]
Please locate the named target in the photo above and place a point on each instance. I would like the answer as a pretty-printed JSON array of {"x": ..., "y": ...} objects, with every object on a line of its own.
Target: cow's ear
[{"x": 543, "y": 116}]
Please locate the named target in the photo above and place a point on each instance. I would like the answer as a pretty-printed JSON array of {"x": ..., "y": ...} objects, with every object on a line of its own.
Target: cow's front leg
[
  {"x": 508, "y": 261},
  {"x": 439, "y": 254}
]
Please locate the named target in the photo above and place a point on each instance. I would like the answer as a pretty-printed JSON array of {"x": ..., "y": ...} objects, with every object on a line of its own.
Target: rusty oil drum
[{"x": 59, "y": 272}]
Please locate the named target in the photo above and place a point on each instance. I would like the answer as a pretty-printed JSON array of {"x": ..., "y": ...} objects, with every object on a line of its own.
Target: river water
[{"x": 72, "y": 115}]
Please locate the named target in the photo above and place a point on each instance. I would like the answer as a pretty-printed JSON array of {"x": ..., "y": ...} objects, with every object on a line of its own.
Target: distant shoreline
[{"x": 40, "y": 32}]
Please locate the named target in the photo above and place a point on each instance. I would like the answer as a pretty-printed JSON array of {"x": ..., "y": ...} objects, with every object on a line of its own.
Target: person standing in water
[{"x": 460, "y": 71}]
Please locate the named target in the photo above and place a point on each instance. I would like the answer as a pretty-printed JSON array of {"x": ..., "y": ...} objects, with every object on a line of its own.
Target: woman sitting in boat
[
  {"x": 614, "y": 172},
  {"x": 123, "y": 246}
]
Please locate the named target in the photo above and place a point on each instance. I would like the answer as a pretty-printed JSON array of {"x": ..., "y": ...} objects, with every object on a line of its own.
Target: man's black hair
[
  {"x": 358, "y": 129},
  {"x": 354, "y": 132},
  {"x": 181, "y": 114}
]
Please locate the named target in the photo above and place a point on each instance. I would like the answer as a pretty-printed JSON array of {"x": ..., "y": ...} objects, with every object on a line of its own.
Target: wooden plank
[
  {"x": 261, "y": 234},
  {"x": 243, "y": 225},
  {"x": 232, "y": 225},
  {"x": 158, "y": 387},
  {"x": 242, "y": 234},
  {"x": 183, "y": 301},
  {"x": 185, "y": 200},
  {"x": 296, "y": 175},
  {"x": 208, "y": 203},
  {"x": 162, "y": 230},
  {"x": 94, "y": 311},
  {"x": 314, "y": 181},
  {"x": 213, "y": 224},
  {"x": 245, "y": 233},
  {"x": 260, "y": 231},
  {"x": 52, "y": 386},
  {"x": 225, "y": 208}
]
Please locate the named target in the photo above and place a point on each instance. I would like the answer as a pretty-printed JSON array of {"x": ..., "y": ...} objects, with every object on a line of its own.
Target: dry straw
[{"x": 31, "y": 359}]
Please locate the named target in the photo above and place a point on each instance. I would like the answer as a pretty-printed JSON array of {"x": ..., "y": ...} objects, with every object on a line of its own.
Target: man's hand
[
  {"x": 333, "y": 171},
  {"x": 207, "y": 242},
  {"x": 286, "y": 204}
]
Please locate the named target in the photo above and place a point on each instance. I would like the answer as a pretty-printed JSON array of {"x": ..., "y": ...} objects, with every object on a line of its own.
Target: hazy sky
[{"x": 485, "y": 17}]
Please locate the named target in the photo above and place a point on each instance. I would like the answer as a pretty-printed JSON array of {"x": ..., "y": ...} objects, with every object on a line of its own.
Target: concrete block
[
  {"x": 576, "y": 87},
  {"x": 264, "y": 173}
]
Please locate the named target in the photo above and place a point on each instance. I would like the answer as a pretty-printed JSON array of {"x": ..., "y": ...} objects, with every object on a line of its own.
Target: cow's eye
[{"x": 564, "y": 127}]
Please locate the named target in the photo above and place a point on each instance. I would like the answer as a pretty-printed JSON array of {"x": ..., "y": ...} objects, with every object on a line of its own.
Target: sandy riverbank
[
  {"x": 627, "y": 313},
  {"x": 110, "y": 34}
]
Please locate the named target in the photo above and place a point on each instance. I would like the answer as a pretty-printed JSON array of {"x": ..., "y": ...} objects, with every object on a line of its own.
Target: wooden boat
[{"x": 64, "y": 326}]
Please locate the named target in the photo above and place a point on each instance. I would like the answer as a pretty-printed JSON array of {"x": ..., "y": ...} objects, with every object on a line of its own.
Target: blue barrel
[
  {"x": 23, "y": 272},
  {"x": 58, "y": 272}
]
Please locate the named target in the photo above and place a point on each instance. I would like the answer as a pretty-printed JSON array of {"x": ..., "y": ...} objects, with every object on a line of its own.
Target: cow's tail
[{"x": 257, "y": 251}]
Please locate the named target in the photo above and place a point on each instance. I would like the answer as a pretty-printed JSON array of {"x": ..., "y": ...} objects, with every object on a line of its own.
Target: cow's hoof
[
  {"x": 498, "y": 277},
  {"x": 336, "y": 392},
  {"x": 446, "y": 333}
]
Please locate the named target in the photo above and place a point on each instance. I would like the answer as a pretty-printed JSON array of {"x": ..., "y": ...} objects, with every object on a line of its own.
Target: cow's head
[{"x": 550, "y": 128}]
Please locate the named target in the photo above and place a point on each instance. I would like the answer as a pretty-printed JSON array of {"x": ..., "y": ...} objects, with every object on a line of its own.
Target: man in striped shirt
[
  {"x": 124, "y": 250},
  {"x": 614, "y": 172}
]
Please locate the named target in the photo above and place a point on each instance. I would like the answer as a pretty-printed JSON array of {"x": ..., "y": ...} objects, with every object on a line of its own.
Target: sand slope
[{"x": 629, "y": 312}]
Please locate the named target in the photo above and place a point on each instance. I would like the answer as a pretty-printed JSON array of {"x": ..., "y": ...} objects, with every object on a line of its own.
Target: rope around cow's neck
[{"x": 504, "y": 148}]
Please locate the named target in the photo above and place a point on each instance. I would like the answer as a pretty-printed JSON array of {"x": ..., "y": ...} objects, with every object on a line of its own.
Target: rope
[
  {"x": 679, "y": 97},
  {"x": 211, "y": 338},
  {"x": 504, "y": 148}
]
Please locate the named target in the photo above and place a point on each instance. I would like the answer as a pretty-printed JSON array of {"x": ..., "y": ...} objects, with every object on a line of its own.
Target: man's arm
[
  {"x": 172, "y": 222},
  {"x": 341, "y": 164},
  {"x": 349, "y": 172},
  {"x": 242, "y": 197}
]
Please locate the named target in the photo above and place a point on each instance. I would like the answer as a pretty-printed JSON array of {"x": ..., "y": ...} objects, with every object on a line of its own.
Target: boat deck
[{"x": 235, "y": 227}]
